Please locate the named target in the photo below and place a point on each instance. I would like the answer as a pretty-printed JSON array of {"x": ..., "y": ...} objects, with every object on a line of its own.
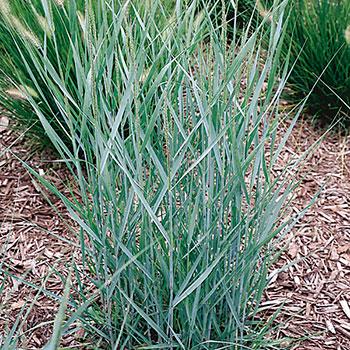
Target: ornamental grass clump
[
  {"x": 39, "y": 25},
  {"x": 169, "y": 132},
  {"x": 320, "y": 48}
]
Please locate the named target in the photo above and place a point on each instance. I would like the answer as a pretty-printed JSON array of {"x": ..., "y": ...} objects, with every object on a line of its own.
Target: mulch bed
[
  {"x": 314, "y": 290},
  {"x": 29, "y": 240}
]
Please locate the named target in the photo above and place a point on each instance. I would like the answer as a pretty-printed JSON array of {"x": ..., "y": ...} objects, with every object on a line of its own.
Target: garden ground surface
[
  {"x": 35, "y": 241},
  {"x": 313, "y": 292}
]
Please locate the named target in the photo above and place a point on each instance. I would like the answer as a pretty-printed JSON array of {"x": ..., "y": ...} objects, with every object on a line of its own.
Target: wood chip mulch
[
  {"x": 314, "y": 290},
  {"x": 29, "y": 243}
]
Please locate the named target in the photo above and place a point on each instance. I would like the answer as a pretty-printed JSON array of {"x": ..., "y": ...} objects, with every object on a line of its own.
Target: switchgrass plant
[
  {"x": 169, "y": 132},
  {"x": 320, "y": 47}
]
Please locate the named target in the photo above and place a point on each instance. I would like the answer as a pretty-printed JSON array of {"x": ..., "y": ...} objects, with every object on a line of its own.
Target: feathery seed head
[
  {"x": 16, "y": 94},
  {"x": 59, "y": 3},
  {"x": 22, "y": 92},
  {"x": 5, "y": 10},
  {"x": 347, "y": 34},
  {"x": 44, "y": 24},
  {"x": 5, "y": 7},
  {"x": 24, "y": 32}
]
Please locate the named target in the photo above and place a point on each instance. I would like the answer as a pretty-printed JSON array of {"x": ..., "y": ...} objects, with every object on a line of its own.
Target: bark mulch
[
  {"x": 313, "y": 291},
  {"x": 31, "y": 245}
]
